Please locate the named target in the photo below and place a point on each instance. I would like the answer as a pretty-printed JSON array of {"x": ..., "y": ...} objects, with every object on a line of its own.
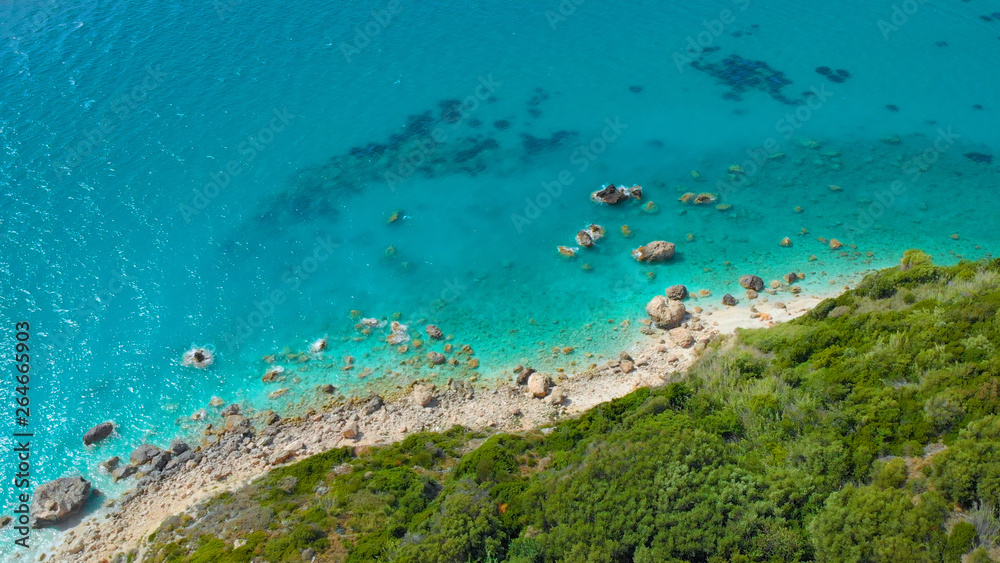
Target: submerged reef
[
  {"x": 438, "y": 142},
  {"x": 742, "y": 75}
]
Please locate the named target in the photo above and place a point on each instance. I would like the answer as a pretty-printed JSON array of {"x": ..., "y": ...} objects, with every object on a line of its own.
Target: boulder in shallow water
[
  {"x": 610, "y": 195},
  {"x": 584, "y": 239},
  {"x": 656, "y": 251},
  {"x": 57, "y": 500},
  {"x": 123, "y": 472},
  {"x": 751, "y": 281},
  {"x": 434, "y": 332},
  {"x": 728, "y": 300},
  {"x": 677, "y": 292},
  {"x": 435, "y": 358},
  {"x": 664, "y": 312},
  {"x": 98, "y": 433}
]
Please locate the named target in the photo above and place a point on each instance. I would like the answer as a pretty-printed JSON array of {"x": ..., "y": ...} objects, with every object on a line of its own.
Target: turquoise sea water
[{"x": 222, "y": 174}]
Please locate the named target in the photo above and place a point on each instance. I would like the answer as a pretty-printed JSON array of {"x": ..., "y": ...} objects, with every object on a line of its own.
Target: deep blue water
[{"x": 222, "y": 174}]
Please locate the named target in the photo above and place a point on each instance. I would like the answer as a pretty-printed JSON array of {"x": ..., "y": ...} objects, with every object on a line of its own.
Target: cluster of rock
[
  {"x": 664, "y": 316},
  {"x": 613, "y": 195},
  {"x": 584, "y": 237}
]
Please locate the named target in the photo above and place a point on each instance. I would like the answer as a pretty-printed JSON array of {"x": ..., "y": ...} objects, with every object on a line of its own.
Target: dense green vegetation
[{"x": 865, "y": 431}]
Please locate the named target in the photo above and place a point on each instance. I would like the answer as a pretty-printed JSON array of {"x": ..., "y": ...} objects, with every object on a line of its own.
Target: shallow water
[{"x": 116, "y": 122}]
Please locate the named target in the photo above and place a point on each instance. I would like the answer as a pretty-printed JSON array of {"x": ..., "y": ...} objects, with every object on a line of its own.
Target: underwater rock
[
  {"x": 835, "y": 244},
  {"x": 790, "y": 278},
  {"x": 678, "y": 292},
  {"x": 742, "y": 75},
  {"x": 318, "y": 346},
  {"x": 728, "y": 300},
  {"x": 656, "y": 251},
  {"x": 706, "y": 198},
  {"x": 626, "y": 231},
  {"x": 979, "y": 157},
  {"x": 665, "y": 313},
  {"x": 786, "y": 242},
  {"x": 568, "y": 251},
  {"x": 534, "y": 146},
  {"x": 199, "y": 358},
  {"x": 272, "y": 374},
  {"x": 434, "y": 332},
  {"x": 501, "y": 124},
  {"x": 398, "y": 334},
  {"x": 650, "y": 208},
  {"x": 751, "y": 281},
  {"x": 436, "y": 358},
  {"x": 752, "y": 294},
  {"x": 635, "y": 89},
  {"x": 688, "y": 197}
]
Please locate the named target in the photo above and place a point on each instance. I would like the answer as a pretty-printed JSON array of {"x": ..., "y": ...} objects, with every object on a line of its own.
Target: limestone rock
[
  {"x": 351, "y": 430},
  {"x": 143, "y": 454},
  {"x": 123, "y": 472},
  {"x": 372, "y": 405},
  {"x": 434, "y": 332},
  {"x": 111, "y": 464},
  {"x": 664, "y": 312},
  {"x": 435, "y": 358},
  {"x": 538, "y": 385},
  {"x": 728, "y": 300},
  {"x": 682, "y": 337},
  {"x": 656, "y": 251},
  {"x": 422, "y": 395},
  {"x": 57, "y": 500}
]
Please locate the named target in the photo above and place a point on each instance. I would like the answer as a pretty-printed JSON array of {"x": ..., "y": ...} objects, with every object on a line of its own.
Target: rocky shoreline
[{"x": 175, "y": 480}]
